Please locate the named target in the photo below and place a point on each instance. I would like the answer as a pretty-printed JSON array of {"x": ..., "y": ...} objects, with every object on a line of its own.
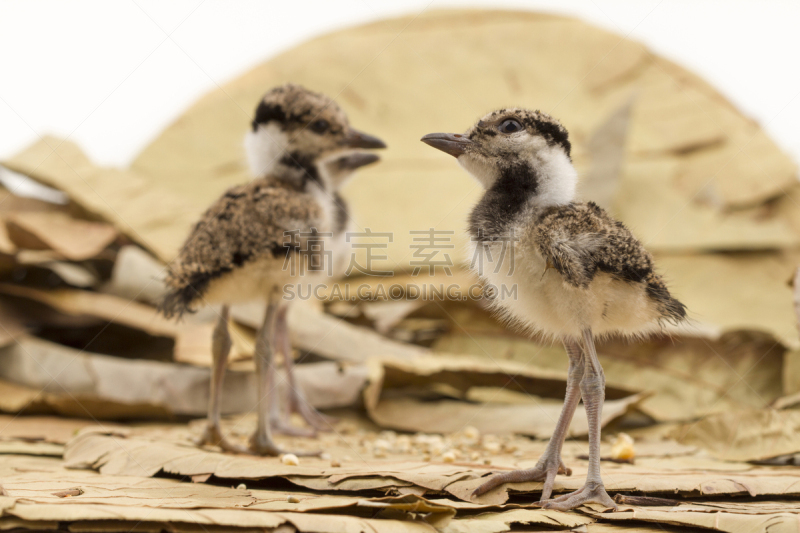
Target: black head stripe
[
  {"x": 554, "y": 133},
  {"x": 267, "y": 112}
]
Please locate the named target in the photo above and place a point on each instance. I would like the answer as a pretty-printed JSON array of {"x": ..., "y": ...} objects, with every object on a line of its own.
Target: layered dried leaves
[{"x": 432, "y": 395}]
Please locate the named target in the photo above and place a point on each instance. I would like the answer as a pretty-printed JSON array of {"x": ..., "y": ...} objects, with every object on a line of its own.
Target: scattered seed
[
  {"x": 472, "y": 433},
  {"x": 290, "y": 459},
  {"x": 492, "y": 447},
  {"x": 622, "y": 449}
]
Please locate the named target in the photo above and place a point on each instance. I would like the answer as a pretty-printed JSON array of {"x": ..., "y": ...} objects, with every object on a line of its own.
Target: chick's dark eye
[
  {"x": 509, "y": 126},
  {"x": 319, "y": 126}
]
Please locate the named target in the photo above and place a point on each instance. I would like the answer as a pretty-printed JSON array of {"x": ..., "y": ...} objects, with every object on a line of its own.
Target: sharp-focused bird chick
[
  {"x": 578, "y": 272},
  {"x": 269, "y": 233}
]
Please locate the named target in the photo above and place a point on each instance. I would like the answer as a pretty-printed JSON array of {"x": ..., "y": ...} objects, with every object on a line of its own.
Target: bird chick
[
  {"x": 578, "y": 272},
  {"x": 339, "y": 170},
  {"x": 264, "y": 235}
]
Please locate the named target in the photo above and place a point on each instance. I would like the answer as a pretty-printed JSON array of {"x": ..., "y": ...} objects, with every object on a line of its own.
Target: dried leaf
[
  {"x": 745, "y": 435},
  {"x": 81, "y": 383},
  {"x": 386, "y": 315},
  {"x": 606, "y": 148},
  {"x": 41, "y": 428},
  {"x": 535, "y": 418},
  {"x": 137, "y": 275},
  {"x": 753, "y": 517},
  {"x": 516, "y": 518},
  {"x": 330, "y": 337},
  {"x": 73, "y": 238},
  {"x": 689, "y": 377},
  {"x": 147, "y": 214}
]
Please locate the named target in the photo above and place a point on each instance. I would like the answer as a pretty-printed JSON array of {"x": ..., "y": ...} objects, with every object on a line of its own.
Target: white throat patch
[
  {"x": 558, "y": 178},
  {"x": 264, "y": 148}
]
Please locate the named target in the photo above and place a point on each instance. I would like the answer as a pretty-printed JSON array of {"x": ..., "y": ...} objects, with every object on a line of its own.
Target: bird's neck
[
  {"x": 558, "y": 178},
  {"x": 299, "y": 171},
  {"x": 522, "y": 189}
]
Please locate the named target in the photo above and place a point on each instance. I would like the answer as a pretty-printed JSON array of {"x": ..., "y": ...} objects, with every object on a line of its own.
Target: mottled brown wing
[
  {"x": 247, "y": 223},
  {"x": 581, "y": 239}
]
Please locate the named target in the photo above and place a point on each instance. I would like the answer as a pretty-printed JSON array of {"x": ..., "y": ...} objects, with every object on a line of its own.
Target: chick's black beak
[
  {"x": 356, "y": 160},
  {"x": 359, "y": 139},
  {"x": 454, "y": 144}
]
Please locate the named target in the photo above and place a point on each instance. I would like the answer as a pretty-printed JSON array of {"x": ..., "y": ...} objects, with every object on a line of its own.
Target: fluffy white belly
[
  {"x": 257, "y": 280},
  {"x": 537, "y": 298}
]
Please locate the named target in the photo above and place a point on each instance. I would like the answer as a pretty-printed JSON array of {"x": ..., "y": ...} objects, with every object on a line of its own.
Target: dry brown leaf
[
  {"x": 148, "y": 215},
  {"x": 73, "y": 238},
  {"x": 462, "y": 372},
  {"x": 192, "y": 339},
  {"x": 137, "y": 275},
  {"x": 15, "y": 398},
  {"x": 122, "y": 490},
  {"x": 41, "y": 428},
  {"x": 657, "y": 478},
  {"x": 83, "y": 488},
  {"x": 7, "y": 246},
  {"x": 756, "y": 517},
  {"x": 313, "y": 331},
  {"x": 231, "y": 518},
  {"x": 73, "y": 274},
  {"x": 745, "y": 435},
  {"x": 11, "y": 326},
  {"x": 81, "y": 383},
  {"x": 689, "y": 377},
  {"x": 764, "y": 302},
  {"x": 19, "y": 447},
  {"x": 386, "y": 315},
  {"x": 535, "y": 418},
  {"x": 606, "y": 147},
  {"x": 516, "y": 518}
]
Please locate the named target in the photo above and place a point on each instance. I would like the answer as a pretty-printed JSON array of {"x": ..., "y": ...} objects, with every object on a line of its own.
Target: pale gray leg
[
  {"x": 550, "y": 463},
  {"x": 220, "y": 348},
  {"x": 593, "y": 387},
  {"x": 261, "y": 441},
  {"x": 279, "y": 414},
  {"x": 297, "y": 402}
]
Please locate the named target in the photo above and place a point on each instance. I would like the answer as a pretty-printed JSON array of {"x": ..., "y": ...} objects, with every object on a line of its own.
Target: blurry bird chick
[
  {"x": 562, "y": 268},
  {"x": 261, "y": 237}
]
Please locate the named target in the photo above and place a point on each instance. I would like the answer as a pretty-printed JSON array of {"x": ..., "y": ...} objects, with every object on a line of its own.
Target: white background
[{"x": 110, "y": 74}]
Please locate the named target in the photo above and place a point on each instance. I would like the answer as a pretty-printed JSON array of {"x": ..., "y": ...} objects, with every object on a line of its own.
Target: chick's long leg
[
  {"x": 261, "y": 441},
  {"x": 297, "y": 402},
  {"x": 550, "y": 463},
  {"x": 593, "y": 386},
  {"x": 220, "y": 348},
  {"x": 279, "y": 414}
]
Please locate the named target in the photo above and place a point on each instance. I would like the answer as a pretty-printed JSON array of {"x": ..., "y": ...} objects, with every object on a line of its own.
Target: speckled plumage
[
  {"x": 530, "y": 188},
  {"x": 301, "y": 150},
  {"x": 562, "y": 268},
  {"x": 246, "y": 225},
  {"x": 581, "y": 239},
  {"x": 284, "y": 228}
]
